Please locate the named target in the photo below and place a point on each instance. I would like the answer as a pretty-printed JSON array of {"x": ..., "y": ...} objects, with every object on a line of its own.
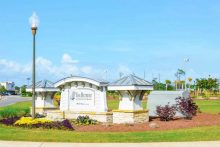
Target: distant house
[{"x": 9, "y": 86}]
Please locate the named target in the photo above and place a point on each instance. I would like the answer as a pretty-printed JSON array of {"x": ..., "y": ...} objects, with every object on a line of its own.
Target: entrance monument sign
[
  {"x": 45, "y": 91},
  {"x": 131, "y": 89},
  {"x": 84, "y": 96}
]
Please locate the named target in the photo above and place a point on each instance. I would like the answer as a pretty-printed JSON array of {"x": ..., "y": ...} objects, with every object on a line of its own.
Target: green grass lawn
[
  {"x": 19, "y": 105},
  {"x": 206, "y": 106},
  {"x": 209, "y": 106},
  {"x": 114, "y": 103},
  {"x": 193, "y": 134}
]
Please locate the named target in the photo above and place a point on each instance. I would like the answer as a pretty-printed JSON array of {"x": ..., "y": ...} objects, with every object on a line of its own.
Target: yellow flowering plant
[{"x": 30, "y": 121}]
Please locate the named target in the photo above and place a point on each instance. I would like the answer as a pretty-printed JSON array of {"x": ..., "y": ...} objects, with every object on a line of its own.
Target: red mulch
[{"x": 202, "y": 119}]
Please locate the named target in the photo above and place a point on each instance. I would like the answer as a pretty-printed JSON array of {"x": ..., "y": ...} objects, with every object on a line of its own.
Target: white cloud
[
  {"x": 66, "y": 58},
  {"x": 44, "y": 64},
  {"x": 45, "y": 69},
  {"x": 66, "y": 68},
  {"x": 8, "y": 66}
]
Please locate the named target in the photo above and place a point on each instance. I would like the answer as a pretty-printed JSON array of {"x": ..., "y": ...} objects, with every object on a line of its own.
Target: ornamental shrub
[
  {"x": 9, "y": 121},
  {"x": 85, "y": 120},
  {"x": 56, "y": 98},
  {"x": 166, "y": 112},
  {"x": 67, "y": 124},
  {"x": 186, "y": 107},
  {"x": 37, "y": 115},
  {"x": 13, "y": 112},
  {"x": 8, "y": 113},
  {"x": 28, "y": 122}
]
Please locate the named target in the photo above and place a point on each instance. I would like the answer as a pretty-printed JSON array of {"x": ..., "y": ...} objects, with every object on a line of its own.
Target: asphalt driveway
[{"x": 9, "y": 100}]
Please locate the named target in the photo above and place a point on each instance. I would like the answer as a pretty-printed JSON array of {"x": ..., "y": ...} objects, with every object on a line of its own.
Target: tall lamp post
[{"x": 34, "y": 22}]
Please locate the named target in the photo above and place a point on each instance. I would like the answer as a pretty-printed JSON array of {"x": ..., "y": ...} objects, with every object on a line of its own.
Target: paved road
[
  {"x": 9, "y": 100},
  {"x": 158, "y": 144}
]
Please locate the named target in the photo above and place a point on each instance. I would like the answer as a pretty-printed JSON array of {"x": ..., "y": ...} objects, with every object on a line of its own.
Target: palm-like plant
[
  {"x": 180, "y": 73},
  {"x": 182, "y": 83},
  {"x": 176, "y": 82},
  {"x": 190, "y": 80},
  {"x": 168, "y": 82}
]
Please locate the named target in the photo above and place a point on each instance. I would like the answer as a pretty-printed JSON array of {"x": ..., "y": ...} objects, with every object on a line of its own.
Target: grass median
[{"x": 210, "y": 133}]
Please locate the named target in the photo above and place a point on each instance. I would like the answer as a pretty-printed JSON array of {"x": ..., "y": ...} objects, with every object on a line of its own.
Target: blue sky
[{"x": 91, "y": 37}]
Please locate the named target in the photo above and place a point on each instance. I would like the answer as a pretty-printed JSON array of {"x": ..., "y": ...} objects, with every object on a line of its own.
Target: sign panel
[
  {"x": 82, "y": 97},
  {"x": 64, "y": 100}
]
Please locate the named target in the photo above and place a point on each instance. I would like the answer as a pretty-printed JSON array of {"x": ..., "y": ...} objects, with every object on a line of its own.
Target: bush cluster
[
  {"x": 9, "y": 121},
  {"x": 28, "y": 122},
  {"x": 85, "y": 120},
  {"x": 22, "y": 118},
  {"x": 185, "y": 106},
  {"x": 13, "y": 112},
  {"x": 166, "y": 112}
]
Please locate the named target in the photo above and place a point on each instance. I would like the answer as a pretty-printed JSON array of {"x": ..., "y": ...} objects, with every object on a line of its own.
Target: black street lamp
[{"x": 34, "y": 22}]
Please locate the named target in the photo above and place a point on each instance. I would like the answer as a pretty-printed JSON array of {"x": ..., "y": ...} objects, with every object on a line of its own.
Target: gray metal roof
[
  {"x": 95, "y": 79},
  {"x": 131, "y": 80},
  {"x": 43, "y": 84}
]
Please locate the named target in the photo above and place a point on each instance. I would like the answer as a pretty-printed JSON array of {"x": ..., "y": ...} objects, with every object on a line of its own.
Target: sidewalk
[{"x": 159, "y": 144}]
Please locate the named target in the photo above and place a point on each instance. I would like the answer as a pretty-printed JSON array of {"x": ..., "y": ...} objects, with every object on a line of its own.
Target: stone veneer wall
[
  {"x": 104, "y": 117},
  {"x": 56, "y": 115},
  {"x": 123, "y": 116},
  {"x": 117, "y": 117},
  {"x": 43, "y": 110}
]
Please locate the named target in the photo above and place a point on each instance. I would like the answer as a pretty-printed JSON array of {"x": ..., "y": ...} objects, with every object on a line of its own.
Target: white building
[
  {"x": 83, "y": 96},
  {"x": 9, "y": 86}
]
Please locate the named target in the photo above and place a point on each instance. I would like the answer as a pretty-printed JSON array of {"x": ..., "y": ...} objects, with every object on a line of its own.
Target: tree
[
  {"x": 158, "y": 86},
  {"x": 176, "y": 82},
  {"x": 179, "y": 74},
  {"x": 2, "y": 89},
  {"x": 23, "y": 90},
  {"x": 182, "y": 83},
  {"x": 209, "y": 84},
  {"x": 17, "y": 89},
  {"x": 190, "y": 80},
  {"x": 168, "y": 82}
]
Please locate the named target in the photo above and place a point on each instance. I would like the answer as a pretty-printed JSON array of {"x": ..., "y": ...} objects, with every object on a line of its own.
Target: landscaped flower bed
[
  {"x": 85, "y": 120},
  {"x": 184, "y": 106},
  {"x": 9, "y": 121},
  {"x": 28, "y": 122}
]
